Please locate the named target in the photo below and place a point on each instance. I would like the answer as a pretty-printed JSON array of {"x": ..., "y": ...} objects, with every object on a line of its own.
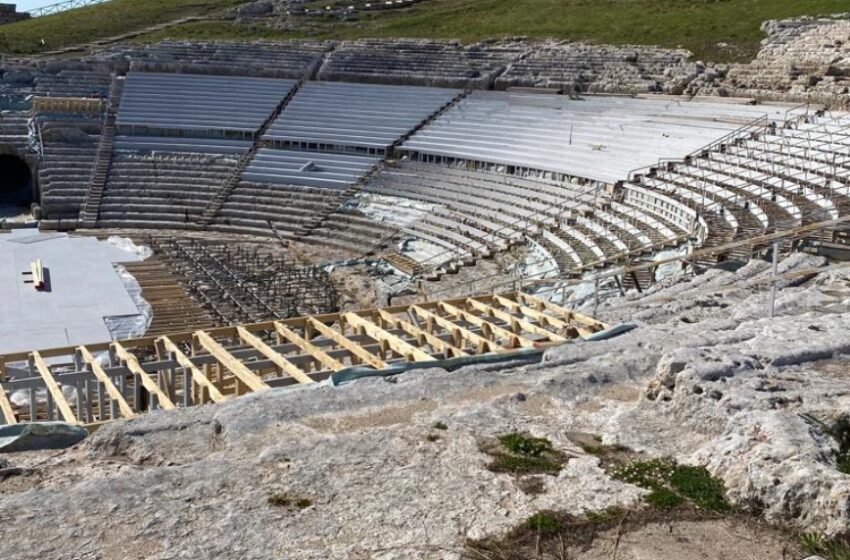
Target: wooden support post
[
  {"x": 237, "y": 368},
  {"x": 280, "y": 361},
  {"x": 54, "y": 389},
  {"x": 6, "y": 407},
  {"x": 317, "y": 353},
  {"x": 399, "y": 346},
  {"x": 147, "y": 381},
  {"x": 481, "y": 344},
  {"x": 436, "y": 343},
  {"x": 111, "y": 390},
  {"x": 354, "y": 348},
  {"x": 197, "y": 375}
]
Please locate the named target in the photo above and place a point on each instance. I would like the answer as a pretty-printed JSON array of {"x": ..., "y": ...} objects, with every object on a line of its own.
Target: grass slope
[
  {"x": 698, "y": 25},
  {"x": 99, "y": 21}
]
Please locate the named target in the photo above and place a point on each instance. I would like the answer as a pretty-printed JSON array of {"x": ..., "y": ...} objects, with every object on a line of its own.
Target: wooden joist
[
  {"x": 488, "y": 328},
  {"x": 516, "y": 324},
  {"x": 123, "y": 407},
  {"x": 55, "y": 390},
  {"x": 308, "y": 348},
  {"x": 400, "y": 347},
  {"x": 535, "y": 314},
  {"x": 351, "y": 346},
  {"x": 422, "y": 337},
  {"x": 225, "y": 358},
  {"x": 459, "y": 333},
  {"x": 280, "y": 361},
  {"x": 197, "y": 375},
  {"x": 148, "y": 382}
]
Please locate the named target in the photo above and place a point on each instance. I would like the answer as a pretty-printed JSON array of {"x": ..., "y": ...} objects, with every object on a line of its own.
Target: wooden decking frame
[{"x": 123, "y": 379}]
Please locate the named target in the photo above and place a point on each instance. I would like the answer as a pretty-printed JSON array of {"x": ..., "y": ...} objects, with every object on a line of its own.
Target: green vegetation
[
  {"x": 831, "y": 549},
  {"x": 522, "y": 444},
  {"x": 440, "y": 426},
  {"x": 524, "y": 454},
  {"x": 100, "y": 21},
  {"x": 285, "y": 501},
  {"x": 720, "y": 30},
  {"x": 543, "y": 522},
  {"x": 432, "y": 437},
  {"x": 839, "y": 430},
  {"x": 698, "y": 26},
  {"x": 671, "y": 484},
  {"x": 611, "y": 513}
]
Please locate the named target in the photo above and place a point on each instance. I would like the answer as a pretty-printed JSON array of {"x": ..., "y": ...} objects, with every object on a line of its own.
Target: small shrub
[
  {"x": 662, "y": 498},
  {"x": 503, "y": 462},
  {"x": 543, "y": 522},
  {"x": 606, "y": 515},
  {"x": 432, "y": 437},
  {"x": 696, "y": 484},
  {"x": 440, "y": 426},
  {"x": 672, "y": 483},
  {"x": 839, "y": 430},
  {"x": 830, "y": 549},
  {"x": 522, "y": 444},
  {"x": 285, "y": 501},
  {"x": 279, "y": 500}
]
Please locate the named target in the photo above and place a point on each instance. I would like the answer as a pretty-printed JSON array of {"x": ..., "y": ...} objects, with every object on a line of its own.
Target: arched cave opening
[{"x": 16, "y": 184}]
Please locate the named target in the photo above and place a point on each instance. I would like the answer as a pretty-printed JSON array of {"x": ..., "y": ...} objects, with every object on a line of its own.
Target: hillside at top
[{"x": 721, "y": 30}]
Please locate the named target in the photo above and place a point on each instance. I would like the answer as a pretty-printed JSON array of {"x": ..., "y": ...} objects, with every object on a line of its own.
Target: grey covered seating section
[
  {"x": 600, "y": 138},
  {"x": 198, "y": 105},
  {"x": 363, "y": 118},
  {"x": 308, "y": 169}
]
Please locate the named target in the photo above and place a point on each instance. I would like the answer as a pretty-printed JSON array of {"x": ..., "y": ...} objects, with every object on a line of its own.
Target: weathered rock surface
[{"x": 725, "y": 390}]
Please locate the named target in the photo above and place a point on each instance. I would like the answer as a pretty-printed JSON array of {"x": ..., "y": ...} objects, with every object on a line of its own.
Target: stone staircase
[
  {"x": 232, "y": 181},
  {"x": 100, "y": 172}
]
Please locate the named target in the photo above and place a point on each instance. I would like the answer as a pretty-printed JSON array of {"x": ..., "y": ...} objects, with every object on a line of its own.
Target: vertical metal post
[{"x": 773, "y": 280}]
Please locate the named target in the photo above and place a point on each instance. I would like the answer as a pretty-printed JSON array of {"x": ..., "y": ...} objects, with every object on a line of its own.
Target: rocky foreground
[{"x": 401, "y": 468}]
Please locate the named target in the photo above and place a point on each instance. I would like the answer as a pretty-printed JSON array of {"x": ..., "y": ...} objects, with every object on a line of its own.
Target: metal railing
[{"x": 61, "y": 7}]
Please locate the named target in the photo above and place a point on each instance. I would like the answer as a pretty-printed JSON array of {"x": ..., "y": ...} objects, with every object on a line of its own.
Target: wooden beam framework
[{"x": 110, "y": 380}]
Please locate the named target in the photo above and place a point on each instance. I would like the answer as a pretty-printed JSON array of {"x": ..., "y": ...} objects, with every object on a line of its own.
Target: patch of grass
[
  {"x": 504, "y": 463},
  {"x": 543, "y": 522},
  {"x": 697, "y": 26},
  {"x": 432, "y": 437},
  {"x": 662, "y": 498},
  {"x": 838, "y": 430},
  {"x": 286, "y": 501},
  {"x": 830, "y": 549},
  {"x": 521, "y": 454},
  {"x": 523, "y": 444},
  {"x": 100, "y": 21},
  {"x": 671, "y": 484},
  {"x": 696, "y": 484},
  {"x": 611, "y": 513},
  {"x": 440, "y": 426}
]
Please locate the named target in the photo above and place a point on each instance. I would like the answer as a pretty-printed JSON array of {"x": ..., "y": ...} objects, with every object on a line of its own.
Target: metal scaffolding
[{"x": 239, "y": 283}]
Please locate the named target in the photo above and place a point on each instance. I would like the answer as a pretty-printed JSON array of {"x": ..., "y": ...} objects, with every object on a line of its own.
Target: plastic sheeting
[
  {"x": 130, "y": 326},
  {"x": 40, "y": 435}
]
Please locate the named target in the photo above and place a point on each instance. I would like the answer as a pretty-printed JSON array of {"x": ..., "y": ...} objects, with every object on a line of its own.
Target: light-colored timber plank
[
  {"x": 123, "y": 406},
  {"x": 147, "y": 381},
  {"x": 307, "y": 347},
  {"x": 197, "y": 375},
  {"x": 398, "y": 345},
  {"x": 55, "y": 390},
  {"x": 280, "y": 361},
  {"x": 237, "y": 368}
]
